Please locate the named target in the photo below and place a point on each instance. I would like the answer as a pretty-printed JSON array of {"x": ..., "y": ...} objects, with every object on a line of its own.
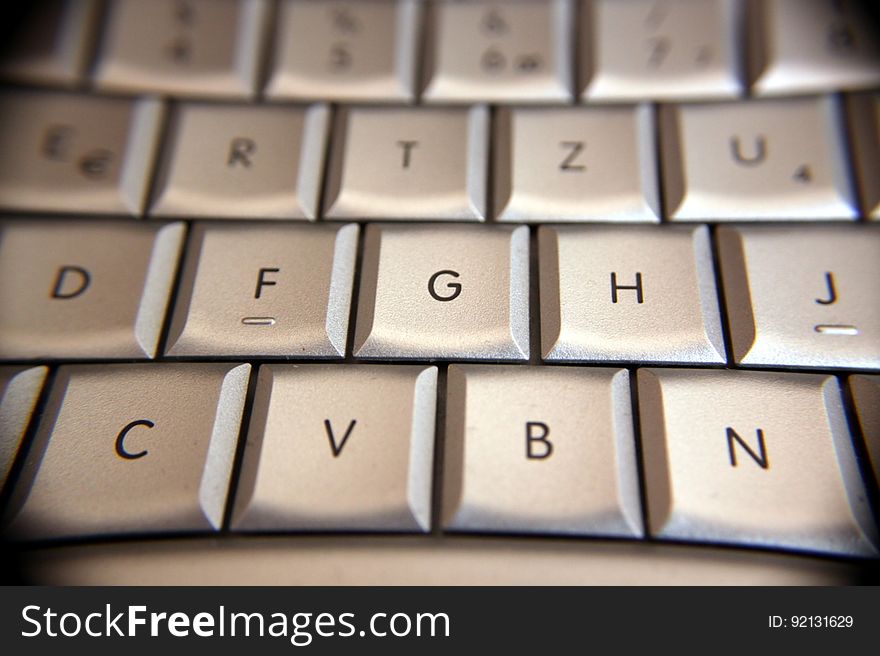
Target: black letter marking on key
[
  {"x": 185, "y": 13},
  {"x": 407, "y": 149},
  {"x": 494, "y": 23},
  {"x": 240, "y": 149},
  {"x": 180, "y": 50},
  {"x": 803, "y": 174},
  {"x": 532, "y": 437},
  {"x": 454, "y": 286},
  {"x": 841, "y": 39},
  {"x": 345, "y": 21},
  {"x": 637, "y": 287},
  {"x": 120, "y": 440},
  {"x": 56, "y": 141},
  {"x": 832, "y": 292},
  {"x": 84, "y": 280},
  {"x": 262, "y": 282},
  {"x": 576, "y": 147},
  {"x": 95, "y": 164},
  {"x": 760, "y": 459},
  {"x": 338, "y": 449},
  {"x": 493, "y": 61},
  {"x": 340, "y": 57},
  {"x": 659, "y": 47},
  {"x": 760, "y": 151}
]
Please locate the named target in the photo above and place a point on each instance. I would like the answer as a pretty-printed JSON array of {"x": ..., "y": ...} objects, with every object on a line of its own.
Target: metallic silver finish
[
  {"x": 70, "y": 153},
  {"x": 422, "y": 163},
  {"x": 333, "y": 447},
  {"x": 645, "y": 49},
  {"x": 346, "y": 51},
  {"x": 423, "y": 560},
  {"x": 866, "y": 396},
  {"x": 85, "y": 289},
  {"x": 575, "y": 164},
  {"x": 198, "y": 48},
  {"x": 93, "y": 471},
  {"x": 52, "y": 44},
  {"x": 631, "y": 294},
  {"x": 19, "y": 390},
  {"x": 444, "y": 291},
  {"x": 499, "y": 52},
  {"x": 811, "y": 46},
  {"x": 864, "y": 120},
  {"x": 242, "y": 161},
  {"x": 802, "y": 296},
  {"x": 265, "y": 289},
  {"x": 540, "y": 450},
  {"x": 756, "y": 160},
  {"x": 753, "y": 458}
]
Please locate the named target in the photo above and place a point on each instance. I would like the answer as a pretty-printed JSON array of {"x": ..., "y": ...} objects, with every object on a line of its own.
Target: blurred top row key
[{"x": 523, "y": 51}]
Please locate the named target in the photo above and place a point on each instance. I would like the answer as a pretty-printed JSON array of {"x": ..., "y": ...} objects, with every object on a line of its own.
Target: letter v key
[{"x": 338, "y": 449}]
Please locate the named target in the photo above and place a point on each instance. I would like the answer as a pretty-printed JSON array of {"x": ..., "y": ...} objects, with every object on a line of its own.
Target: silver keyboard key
[
  {"x": 270, "y": 290},
  {"x": 19, "y": 390},
  {"x": 242, "y": 162},
  {"x": 67, "y": 153},
  {"x": 866, "y": 396},
  {"x": 659, "y": 49},
  {"x": 52, "y": 44},
  {"x": 444, "y": 291},
  {"x": 408, "y": 164},
  {"x": 864, "y": 114},
  {"x": 85, "y": 289},
  {"x": 499, "y": 52},
  {"x": 803, "y": 296},
  {"x": 811, "y": 46},
  {"x": 182, "y": 47},
  {"x": 346, "y": 51},
  {"x": 632, "y": 294},
  {"x": 576, "y": 164},
  {"x": 540, "y": 450},
  {"x": 132, "y": 449},
  {"x": 752, "y": 160},
  {"x": 339, "y": 447},
  {"x": 753, "y": 458}
]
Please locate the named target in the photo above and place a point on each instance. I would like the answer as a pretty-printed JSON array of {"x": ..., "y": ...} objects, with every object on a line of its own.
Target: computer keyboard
[{"x": 441, "y": 292}]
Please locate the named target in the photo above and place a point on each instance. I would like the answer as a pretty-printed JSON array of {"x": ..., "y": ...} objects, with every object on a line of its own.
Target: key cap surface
[
  {"x": 802, "y": 296},
  {"x": 444, "y": 291},
  {"x": 753, "y": 458},
  {"x": 270, "y": 290},
  {"x": 67, "y": 153},
  {"x": 866, "y": 396},
  {"x": 132, "y": 449},
  {"x": 633, "y": 294},
  {"x": 182, "y": 47},
  {"x": 85, "y": 289},
  {"x": 499, "y": 52},
  {"x": 660, "y": 49},
  {"x": 755, "y": 160},
  {"x": 810, "y": 46},
  {"x": 242, "y": 161},
  {"x": 540, "y": 450},
  {"x": 19, "y": 390},
  {"x": 575, "y": 164},
  {"x": 347, "y": 51},
  {"x": 339, "y": 447},
  {"x": 424, "y": 163}
]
